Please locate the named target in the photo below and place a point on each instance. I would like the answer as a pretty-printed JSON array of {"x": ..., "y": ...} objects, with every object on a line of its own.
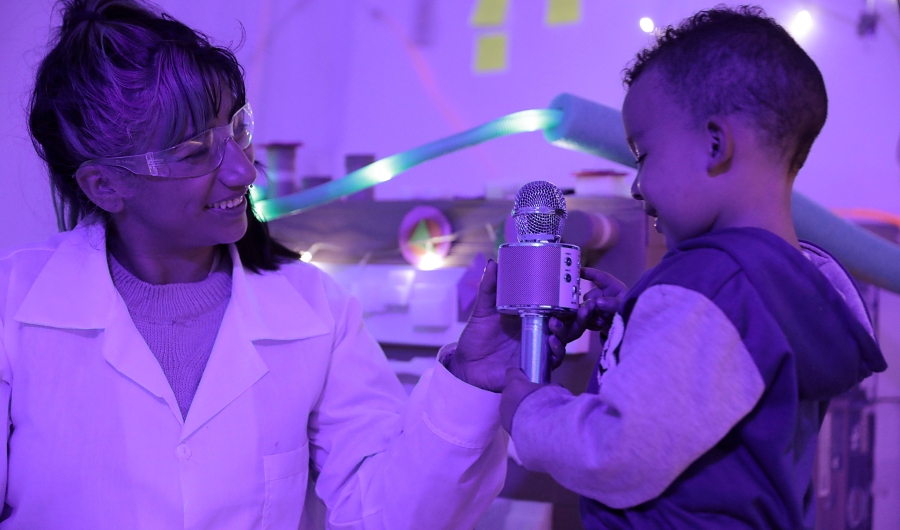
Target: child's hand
[
  {"x": 601, "y": 303},
  {"x": 518, "y": 387},
  {"x": 596, "y": 313}
]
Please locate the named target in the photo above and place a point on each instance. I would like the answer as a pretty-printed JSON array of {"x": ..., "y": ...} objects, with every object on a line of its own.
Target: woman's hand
[
  {"x": 595, "y": 313},
  {"x": 491, "y": 341}
]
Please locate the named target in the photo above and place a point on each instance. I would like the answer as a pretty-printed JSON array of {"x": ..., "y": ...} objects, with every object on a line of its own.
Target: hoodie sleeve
[{"x": 684, "y": 379}]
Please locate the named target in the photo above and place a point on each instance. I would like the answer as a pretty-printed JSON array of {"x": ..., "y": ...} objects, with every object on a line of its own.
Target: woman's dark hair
[{"x": 118, "y": 72}]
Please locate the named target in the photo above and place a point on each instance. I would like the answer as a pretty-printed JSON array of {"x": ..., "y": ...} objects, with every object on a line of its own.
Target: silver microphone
[{"x": 538, "y": 277}]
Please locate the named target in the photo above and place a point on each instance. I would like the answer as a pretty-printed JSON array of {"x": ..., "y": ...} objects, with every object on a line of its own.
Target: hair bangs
[{"x": 191, "y": 87}]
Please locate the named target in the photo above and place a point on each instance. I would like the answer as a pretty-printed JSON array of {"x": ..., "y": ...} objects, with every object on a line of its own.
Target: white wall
[
  {"x": 26, "y": 213},
  {"x": 338, "y": 76},
  {"x": 854, "y": 163}
]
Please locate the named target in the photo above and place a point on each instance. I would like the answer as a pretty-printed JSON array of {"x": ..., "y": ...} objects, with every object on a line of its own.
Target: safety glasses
[{"x": 194, "y": 157}]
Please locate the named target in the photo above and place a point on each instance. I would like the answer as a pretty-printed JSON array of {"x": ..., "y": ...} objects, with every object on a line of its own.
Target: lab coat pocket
[{"x": 286, "y": 475}]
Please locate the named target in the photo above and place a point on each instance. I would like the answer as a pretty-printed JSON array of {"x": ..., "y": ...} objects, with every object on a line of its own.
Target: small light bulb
[
  {"x": 647, "y": 24},
  {"x": 430, "y": 261},
  {"x": 801, "y": 25},
  {"x": 306, "y": 256}
]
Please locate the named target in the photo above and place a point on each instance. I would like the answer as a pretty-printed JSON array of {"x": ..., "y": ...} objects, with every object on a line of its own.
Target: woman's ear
[
  {"x": 104, "y": 187},
  {"x": 720, "y": 146}
]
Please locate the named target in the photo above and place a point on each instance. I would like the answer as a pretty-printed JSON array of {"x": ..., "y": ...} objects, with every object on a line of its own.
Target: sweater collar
[{"x": 174, "y": 301}]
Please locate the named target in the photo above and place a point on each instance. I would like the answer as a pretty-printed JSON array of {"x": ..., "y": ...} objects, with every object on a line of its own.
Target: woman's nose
[{"x": 236, "y": 169}]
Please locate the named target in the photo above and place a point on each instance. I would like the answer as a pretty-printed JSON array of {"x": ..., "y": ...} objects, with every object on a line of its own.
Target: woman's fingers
[
  {"x": 557, "y": 351},
  {"x": 486, "y": 298}
]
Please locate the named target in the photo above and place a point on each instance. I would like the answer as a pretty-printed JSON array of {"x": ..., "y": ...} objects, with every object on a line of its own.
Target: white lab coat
[{"x": 294, "y": 384}]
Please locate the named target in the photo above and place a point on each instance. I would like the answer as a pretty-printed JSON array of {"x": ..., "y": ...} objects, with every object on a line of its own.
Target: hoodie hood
[{"x": 833, "y": 349}]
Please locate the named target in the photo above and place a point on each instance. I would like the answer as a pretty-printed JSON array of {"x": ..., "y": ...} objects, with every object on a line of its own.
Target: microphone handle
[{"x": 535, "y": 329}]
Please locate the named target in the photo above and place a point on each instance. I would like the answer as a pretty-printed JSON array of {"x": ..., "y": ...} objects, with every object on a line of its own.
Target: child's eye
[{"x": 640, "y": 158}]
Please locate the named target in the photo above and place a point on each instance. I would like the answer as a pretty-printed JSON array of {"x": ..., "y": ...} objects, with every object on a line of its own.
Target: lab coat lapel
[
  {"x": 75, "y": 291},
  {"x": 127, "y": 351},
  {"x": 262, "y": 307},
  {"x": 234, "y": 366}
]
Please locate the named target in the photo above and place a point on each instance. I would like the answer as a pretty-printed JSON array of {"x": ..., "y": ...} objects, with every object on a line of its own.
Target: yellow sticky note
[
  {"x": 563, "y": 12},
  {"x": 491, "y": 53},
  {"x": 490, "y": 13}
]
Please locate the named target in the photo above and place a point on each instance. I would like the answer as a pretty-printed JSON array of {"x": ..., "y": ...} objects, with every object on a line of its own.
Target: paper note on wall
[
  {"x": 490, "y": 13},
  {"x": 563, "y": 12},
  {"x": 491, "y": 52}
]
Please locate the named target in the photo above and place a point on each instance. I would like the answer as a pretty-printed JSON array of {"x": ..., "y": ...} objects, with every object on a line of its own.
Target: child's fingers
[
  {"x": 583, "y": 314},
  {"x": 586, "y": 316},
  {"x": 608, "y": 284},
  {"x": 603, "y": 301},
  {"x": 595, "y": 314},
  {"x": 566, "y": 330}
]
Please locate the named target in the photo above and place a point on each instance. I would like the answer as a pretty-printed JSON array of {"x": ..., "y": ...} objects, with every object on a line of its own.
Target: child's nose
[{"x": 636, "y": 190}]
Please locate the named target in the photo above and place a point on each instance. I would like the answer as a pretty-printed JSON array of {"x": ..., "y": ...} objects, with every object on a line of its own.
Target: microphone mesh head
[{"x": 540, "y": 212}]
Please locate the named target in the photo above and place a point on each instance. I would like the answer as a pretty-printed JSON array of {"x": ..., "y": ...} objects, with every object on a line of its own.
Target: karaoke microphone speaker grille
[{"x": 528, "y": 276}]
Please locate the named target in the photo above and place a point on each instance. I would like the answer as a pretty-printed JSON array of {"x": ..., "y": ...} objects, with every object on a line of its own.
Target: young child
[{"x": 720, "y": 362}]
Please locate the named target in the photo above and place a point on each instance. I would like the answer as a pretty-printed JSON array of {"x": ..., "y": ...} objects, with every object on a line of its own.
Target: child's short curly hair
[{"x": 725, "y": 61}]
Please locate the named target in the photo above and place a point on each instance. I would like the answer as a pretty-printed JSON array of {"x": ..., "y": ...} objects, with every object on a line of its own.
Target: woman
[{"x": 166, "y": 364}]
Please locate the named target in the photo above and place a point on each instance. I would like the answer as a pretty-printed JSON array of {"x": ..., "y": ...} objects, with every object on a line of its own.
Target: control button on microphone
[
  {"x": 568, "y": 277},
  {"x": 568, "y": 262}
]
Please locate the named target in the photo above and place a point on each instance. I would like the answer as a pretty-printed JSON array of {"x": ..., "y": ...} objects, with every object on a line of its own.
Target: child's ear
[
  {"x": 103, "y": 186},
  {"x": 720, "y": 146}
]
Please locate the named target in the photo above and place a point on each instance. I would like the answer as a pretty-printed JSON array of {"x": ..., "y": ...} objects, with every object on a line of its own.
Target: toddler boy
[{"x": 721, "y": 360}]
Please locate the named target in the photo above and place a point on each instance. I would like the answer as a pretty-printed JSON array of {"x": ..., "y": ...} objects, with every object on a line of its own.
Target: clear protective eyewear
[{"x": 196, "y": 156}]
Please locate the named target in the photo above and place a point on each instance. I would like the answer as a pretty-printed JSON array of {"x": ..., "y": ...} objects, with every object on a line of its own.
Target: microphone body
[{"x": 538, "y": 277}]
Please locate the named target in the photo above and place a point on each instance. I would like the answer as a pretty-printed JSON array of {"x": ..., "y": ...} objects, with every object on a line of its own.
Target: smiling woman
[
  {"x": 122, "y": 81},
  {"x": 164, "y": 363}
]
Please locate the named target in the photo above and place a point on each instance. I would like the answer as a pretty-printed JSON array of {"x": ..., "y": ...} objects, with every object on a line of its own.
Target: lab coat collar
[
  {"x": 270, "y": 306},
  {"x": 75, "y": 291}
]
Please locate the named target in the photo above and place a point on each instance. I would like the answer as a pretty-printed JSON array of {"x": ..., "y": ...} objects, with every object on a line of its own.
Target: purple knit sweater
[{"x": 179, "y": 322}]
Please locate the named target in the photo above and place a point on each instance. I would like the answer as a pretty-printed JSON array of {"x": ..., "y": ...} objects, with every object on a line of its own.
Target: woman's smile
[{"x": 235, "y": 204}]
